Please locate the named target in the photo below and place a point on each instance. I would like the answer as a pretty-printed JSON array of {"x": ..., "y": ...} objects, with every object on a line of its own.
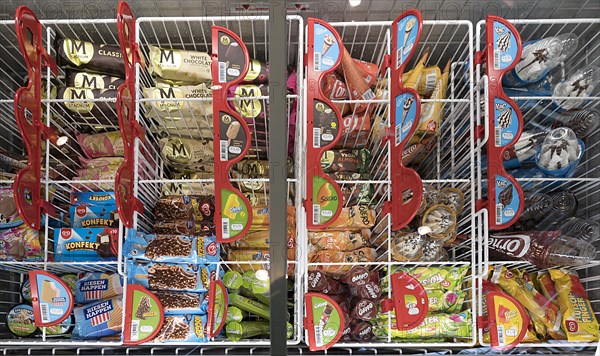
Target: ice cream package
[
  {"x": 177, "y": 303},
  {"x": 20, "y": 243},
  {"x": 87, "y": 80},
  {"x": 445, "y": 326},
  {"x": 541, "y": 310},
  {"x": 100, "y": 109},
  {"x": 92, "y": 286},
  {"x": 93, "y": 198},
  {"x": 437, "y": 277},
  {"x": 108, "y": 144},
  {"x": 171, "y": 248},
  {"x": 189, "y": 67},
  {"x": 88, "y": 216},
  {"x": 172, "y": 110},
  {"x": 86, "y": 244},
  {"x": 9, "y": 215},
  {"x": 352, "y": 161},
  {"x": 190, "y": 154},
  {"x": 184, "y": 227},
  {"x": 99, "y": 319},
  {"x": 90, "y": 56},
  {"x": 578, "y": 318},
  {"x": 173, "y": 277},
  {"x": 188, "y": 328},
  {"x": 354, "y": 217}
]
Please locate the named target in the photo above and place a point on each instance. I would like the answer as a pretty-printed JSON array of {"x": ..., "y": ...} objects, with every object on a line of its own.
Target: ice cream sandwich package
[
  {"x": 184, "y": 227},
  {"x": 188, "y": 67},
  {"x": 186, "y": 328},
  {"x": 99, "y": 319},
  {"x": 182, "y": 302},
  {"x": 86, "y": 244},
  {"x": 86, "y": 80},
  {"x": 95, "y": 57},
  {"x": 171, "y": 248},
  {"x": 170, "y": 107},
  {"x": 578, "y": 318},
  {"x": 92, "y": 286},
  {"x": 174, "y": 277},
  {"x": 108, "y": 144},
  {"x": 88, "y": 216}
]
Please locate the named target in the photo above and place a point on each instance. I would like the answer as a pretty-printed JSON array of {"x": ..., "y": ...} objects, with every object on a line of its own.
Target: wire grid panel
[
  {"x": 190, "y": 118},
  {"x": 541, "y": 114},
  {"x": 449, "y": 161},
  {"x": 60, "y": 164}
]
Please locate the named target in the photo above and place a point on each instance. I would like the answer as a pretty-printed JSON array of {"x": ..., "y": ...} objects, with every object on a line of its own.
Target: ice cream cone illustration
[
  {"x": 232, "y": 131},
  {"x": 409, "y": 26},
  {"x": 407, "y": 104},
  {"x": 328, "y": 41}
]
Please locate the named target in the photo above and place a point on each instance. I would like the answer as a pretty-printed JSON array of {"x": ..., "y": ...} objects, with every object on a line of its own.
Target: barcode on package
[
  {"x": 317, "y": 62},
  {"x": 430, "y": 82},
  {"x": 399, "y": 57},
  {"x": 368, "y": 95},
  {"x": 501, "y": 341},
  {"x": 498, "y": 214},
  {"x": 223, "y": 150},
  {"x": 225, "y": 227},
  {"x": 319, "y": 335},
  {"x": 316, "y": 137},
  {"x": 135, "y": 330},
  {"x": 498, "y": 136},
  {"x": 316, "y": 214},
  {"x": 398, "y": 134},
  {"x": 45, "y": 312},
  {"x": 496, "y": 59},
  {"x": 222, "y": 72}
]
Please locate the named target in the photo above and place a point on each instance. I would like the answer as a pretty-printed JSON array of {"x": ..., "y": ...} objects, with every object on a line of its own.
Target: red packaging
[
  {"x": 355, "y": 131},
  {"x": 335, "y": 88}
]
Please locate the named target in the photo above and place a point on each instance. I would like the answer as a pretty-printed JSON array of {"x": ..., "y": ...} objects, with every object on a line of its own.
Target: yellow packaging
[
  {"x": 433, "y": 112},
  {"x": 542, "y": 317},
  {"x": 427, "y": 81},
  {"x": 578, "y": 319},
  {"x": 416, "y": 72}
]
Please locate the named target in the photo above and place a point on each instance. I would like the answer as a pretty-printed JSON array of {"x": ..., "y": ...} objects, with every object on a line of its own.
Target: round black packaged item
[
  {"x": 61, "y": 329},
  {"x": 20, "y": 321},
  {"x": 26, "y": 291}
]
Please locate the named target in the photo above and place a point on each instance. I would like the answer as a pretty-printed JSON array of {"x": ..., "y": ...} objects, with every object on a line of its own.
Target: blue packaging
[
  {"x": 88, "y": 216},
  {"x": 93, "y": 198},
  {"x": 86, "y": 245},
  {"x": 99, "y": 319},
  {"x": 168, "y": 276},
  {"x": 173, "y": 326},
  {"x": 92, "y": 286},
  {"x": 177, "y": 303},
  {"x": 171, "y": 248}
]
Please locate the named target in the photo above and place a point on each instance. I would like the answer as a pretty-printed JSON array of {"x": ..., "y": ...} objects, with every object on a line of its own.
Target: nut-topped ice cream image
[{"x": 409, "y": 26}]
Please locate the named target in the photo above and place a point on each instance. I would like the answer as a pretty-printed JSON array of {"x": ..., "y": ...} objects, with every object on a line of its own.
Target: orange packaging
[
  {"x": 546, "y": 286},
  {"x": 369, "y": 71},
  {"x": 259, "y": 239},
  {"x": 339, "y": 240},
  {"x": 260, "y": 217},
  {"x": 364, "y": 254},
  {"x": 334, "y": 88},
  {"x": 355, "y": 217}
]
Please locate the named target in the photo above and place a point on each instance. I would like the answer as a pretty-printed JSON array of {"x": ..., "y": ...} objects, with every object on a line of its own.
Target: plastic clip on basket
[
  {"x": 230, "y": 62},
  {"x": 127, "y": 204},
  {"x": 505, "y": 122},
  {"x": 28, "y": 114},
  {"x": 324, "y": 197},
  {"x": 405, "y": 110}
]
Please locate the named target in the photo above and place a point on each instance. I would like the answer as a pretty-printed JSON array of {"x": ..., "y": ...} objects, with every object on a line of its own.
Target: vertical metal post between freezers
[{"x": 278, "y": 126}]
